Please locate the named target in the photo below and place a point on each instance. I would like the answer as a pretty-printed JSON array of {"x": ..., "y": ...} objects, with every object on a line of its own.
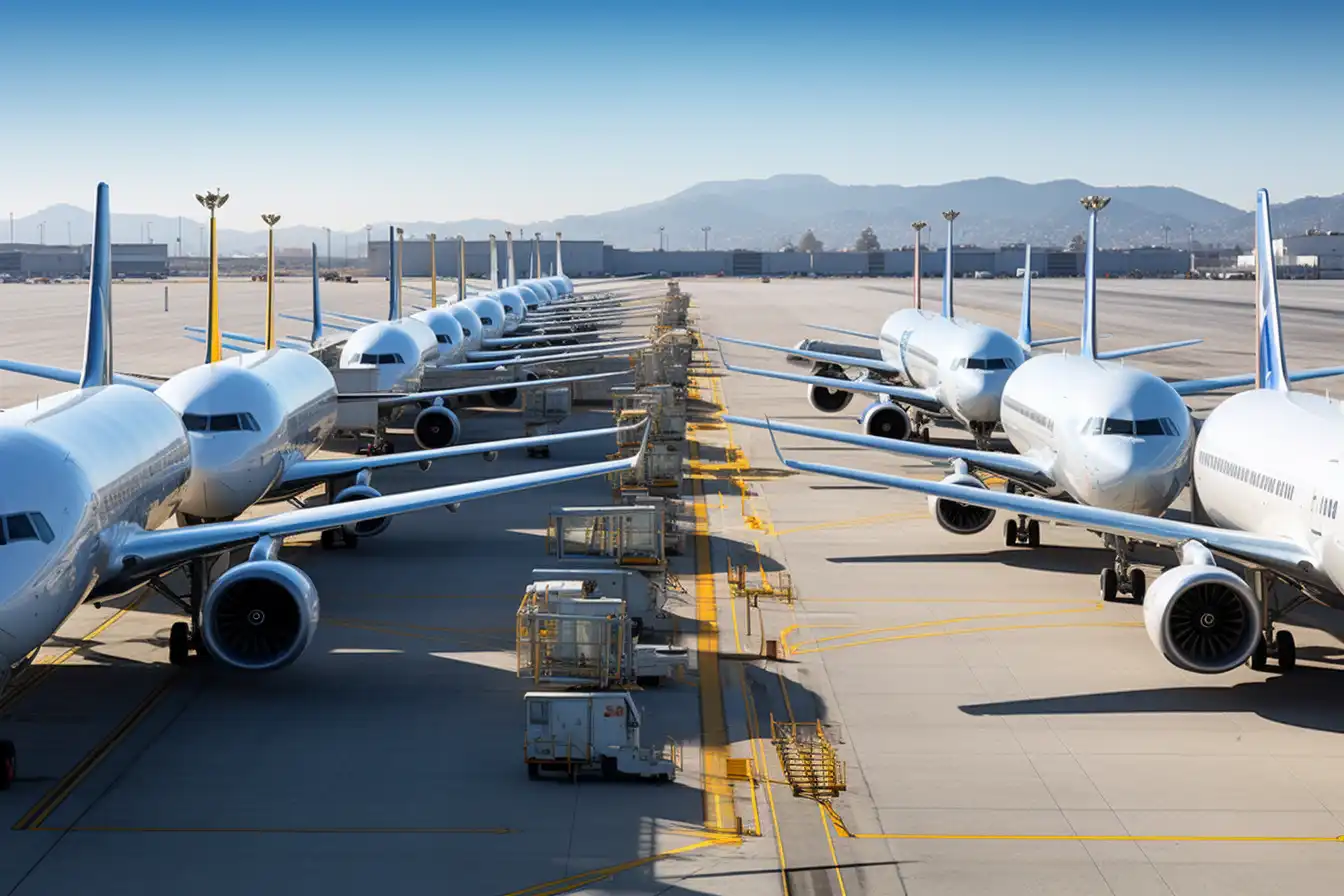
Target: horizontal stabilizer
[
  {"x": 855, "y": 333},
  {"x": 354, "y": 317},
  {"x": 1145, "y": 349},
  {"x": 1219, "y": 383},
  {"x": 920, "y": 398},
  {"x": 63, "y": 375},
  {"x": 841, "y": 360},
  {"x": 330, "y": 326},
  {"x": 1054, "y": 340}
]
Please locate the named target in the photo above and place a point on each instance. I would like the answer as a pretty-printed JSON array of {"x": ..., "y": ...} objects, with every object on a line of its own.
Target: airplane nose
[
  {"x": 978, "y": 395},
  {"x": 1126, "y": 474}
]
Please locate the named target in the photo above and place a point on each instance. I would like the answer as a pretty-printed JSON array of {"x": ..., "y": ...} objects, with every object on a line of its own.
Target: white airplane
[
  {"x": 91, "y": 473},
  {"x": 1267, "y": 475},
  {"x": 1091, "y": 431},
  {"x": 951, "y": 366}
]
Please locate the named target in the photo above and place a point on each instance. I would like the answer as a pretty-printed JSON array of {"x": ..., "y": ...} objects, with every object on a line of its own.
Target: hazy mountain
[{"x": 763, "y": 214}]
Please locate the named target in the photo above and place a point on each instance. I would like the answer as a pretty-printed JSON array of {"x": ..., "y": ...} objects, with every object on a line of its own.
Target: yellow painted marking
[
  {"x": 754, "y": 736},
  {"x": 53, "y": 798},
  {"x": 588, "y": 878},
  {"x": 946, "y": 600},
  {"x": 830, "y": 843}
]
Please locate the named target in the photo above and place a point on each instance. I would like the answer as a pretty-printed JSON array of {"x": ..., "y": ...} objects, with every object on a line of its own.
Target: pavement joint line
[
  {"x": 595, "y": 875},
  {"x": 42, "y": 667},
  {"x": 54, "y": 798},
  {"x": 970, "y": 631}
]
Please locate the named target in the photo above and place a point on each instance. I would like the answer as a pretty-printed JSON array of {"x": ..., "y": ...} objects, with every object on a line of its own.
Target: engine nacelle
[
  {"x": 260, "y": 615},
  {"x": 829, "y": 401},
  {"x": 887, "y": 421},
  {"x": 436, "y": 427},
  {"x": 1202, "y": 618},
  {"x": 502, "y": 398},
  {"x": 366, "y": 528},
  {"x": 958, "y": 518}
]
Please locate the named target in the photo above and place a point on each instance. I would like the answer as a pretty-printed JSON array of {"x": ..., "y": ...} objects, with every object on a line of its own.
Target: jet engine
[
  {"x": 958, "y": 518},
  {"x": 436, "y": 427},
  {"x": 887, "y": 421},
  {"x": 829, "y": 401},
  {"x": 366, "y": 528},
  {"x": 260, "y": 615},
  {"x": 1202, "y": 618}
]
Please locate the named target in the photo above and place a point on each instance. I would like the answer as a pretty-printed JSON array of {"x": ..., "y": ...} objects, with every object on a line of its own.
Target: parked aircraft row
[
  {"x": 91, "y": 474},
  {"x": 1109, "y": 448}
]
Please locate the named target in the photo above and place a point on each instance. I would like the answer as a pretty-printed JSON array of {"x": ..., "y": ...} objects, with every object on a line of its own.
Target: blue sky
[{"x": 340, "y": 113}]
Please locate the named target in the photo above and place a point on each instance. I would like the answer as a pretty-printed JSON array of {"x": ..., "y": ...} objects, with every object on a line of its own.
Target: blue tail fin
[
  {"x": 317, "y": 301},
  {"x": 1024, "y": 328},
  {"x": 1088, "y": 349},
  {"x": 1271, "y": 367},
  {"x": 947, "y": 273},
  {"x": 98, "y": 338}
]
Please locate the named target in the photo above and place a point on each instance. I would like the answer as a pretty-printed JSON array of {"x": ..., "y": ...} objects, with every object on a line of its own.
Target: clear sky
[{"x": 339, "y": 113}]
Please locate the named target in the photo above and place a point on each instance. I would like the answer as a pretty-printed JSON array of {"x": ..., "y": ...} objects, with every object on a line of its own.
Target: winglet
[
  {"x": 317, "y": 301},
  {"x": 1024, "y": 328},
  {"x": 1271, "y": 367},
  {"x": 98, "y": 337}
]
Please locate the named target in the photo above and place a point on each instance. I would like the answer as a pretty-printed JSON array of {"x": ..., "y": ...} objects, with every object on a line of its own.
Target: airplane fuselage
[
  {"x": 247, "y": 417},
  {"x": 1111, "y": 436},
  {"x": 397, "y": 349},
  {"x": 964, "y": 363},
  {"x": 73, "y": 481}
]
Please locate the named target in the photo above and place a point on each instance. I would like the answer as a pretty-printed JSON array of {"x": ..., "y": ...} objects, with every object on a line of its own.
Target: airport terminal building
[
  {"x": 593, "y": 258},
  {"x": 21, "y": 261}
]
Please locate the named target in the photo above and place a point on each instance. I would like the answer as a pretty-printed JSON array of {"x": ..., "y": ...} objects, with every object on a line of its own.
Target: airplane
[
  {"x": 1267, "y": 477},
  {"x": 951, "y": 367},
  {"x": 1059, "y": 412},
  {"x": 91, "y": 474},
  {"x": 386, "y": 346}
]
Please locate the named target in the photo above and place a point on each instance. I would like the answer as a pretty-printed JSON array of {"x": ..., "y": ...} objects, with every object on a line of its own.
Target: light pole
[
  {"x": 401, "y": 247},
  {"x": 947, "y": 265},
  {"x": 42, "y": 233},
  {"x": 433, "y": 273},
  {"x": 919, "y": 239},
  {"x": 213, "y": 350},
  {"x": 536, "y": 253},
  {"x": 149, "y": 232},
  {"x": 328, "y": 230},
  {"x": 660, "y": 238},
  {"x": 706, "y": 229},
  {"x": 368, "y": 241},
  {"x": 1093, "y": 204},
  {"x": 271, "y": 221}
]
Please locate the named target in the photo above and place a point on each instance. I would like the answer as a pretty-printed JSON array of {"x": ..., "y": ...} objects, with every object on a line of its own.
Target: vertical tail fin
[
  {"x": 1271, "y": 367},
  {"x": 1088, "y": 346},
  {"x": 433, "y": 272},
  {"x": 317, "y": 300},
  {"x": 513, "y": 278},
  {"x": 494, "y": 264},
  {"x": 461, "y": 268},
  {"x": 1024, "y": 327},
  {"x": 393, "y": 270},
  {"x": 559, "y": 265},
  {"x": 536, "y": 256},
  {"x": 98, "y": 338}
]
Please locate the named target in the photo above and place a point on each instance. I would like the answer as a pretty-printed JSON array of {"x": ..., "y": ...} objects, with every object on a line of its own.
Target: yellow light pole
[
  {"x": 214, "y": 351},
  {"x": 271, "y": 221},
  {"x": 919, "y": 238},
  {"x": 433, "y": 274}
]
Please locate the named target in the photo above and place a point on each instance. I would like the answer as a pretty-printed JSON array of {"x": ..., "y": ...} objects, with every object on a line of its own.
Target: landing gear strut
[
  {"x": 1123, "y": 577},
  {"x": 184, "y": 638},
  {"x": 982, "y": 432},
  {"x": 919, "y": 428},
  {"x": 1284, "y": 647},
  {"x": 1021, "y": 531}
]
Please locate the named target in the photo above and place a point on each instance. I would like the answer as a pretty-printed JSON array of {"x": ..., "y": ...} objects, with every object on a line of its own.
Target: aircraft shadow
[{"x": 1050, "y": 559}]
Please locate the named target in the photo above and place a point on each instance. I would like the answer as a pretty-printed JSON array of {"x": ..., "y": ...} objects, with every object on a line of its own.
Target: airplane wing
[
  {"x": 842, "y": 331},
  {"x": 354, "y": 317},
  {"x": 145, "y": 553},
  {"x": 224, "y": 343},
  {"x": 392, "y": 399},
  {"x": 63, "y": 375},
  {"x": 514, "y": 360},
  {"x": 551, "y": 350},
  {"x": 1145, "y": 349},
  {"x": 1217, "y": 384},
  {"x": 287, "y": 342},
  {"x": 923, "y": 399},
  {"x": 330, "y": 326},
  {"x": 842, "y": 360},
  {"x": 315, "y": 471},
  {"x": 1274, "y": 552},
  {"x": 1000, "y": 463}
]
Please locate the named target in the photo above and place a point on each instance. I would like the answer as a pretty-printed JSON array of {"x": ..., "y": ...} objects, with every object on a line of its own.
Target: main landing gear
[
  {"x": 184, "y": 638},
  {"x": 338, "y": 538},
  {"x": 1123, "y": 577},
  {"x": 982, "y": 432},
  {"x": 379, "y": 445},
  {"x": 919, "y": 428},
  {"x": 1284, "y": 647},
  {"x": 1023, "y": 531}
]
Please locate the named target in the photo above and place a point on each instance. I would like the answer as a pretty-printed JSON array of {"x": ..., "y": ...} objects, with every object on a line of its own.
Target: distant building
[{"x": 26, "y": 260}]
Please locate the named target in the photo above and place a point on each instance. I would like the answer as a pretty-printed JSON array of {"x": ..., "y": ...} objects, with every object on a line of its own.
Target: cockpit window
[
  {"x": 445, "y": 339},
  {"x": 220, "y": 422},
  {"x": 1118, "y": 426},
  {"x": 488, "y": 321},
  {"x": 984, "y": 364},
  {"x": 25, "y": 527},
  {"x": 380, "y": 359}
]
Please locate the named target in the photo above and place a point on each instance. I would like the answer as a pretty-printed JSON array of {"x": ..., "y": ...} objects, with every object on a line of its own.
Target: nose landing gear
[{"x": 1124, "y": 577}]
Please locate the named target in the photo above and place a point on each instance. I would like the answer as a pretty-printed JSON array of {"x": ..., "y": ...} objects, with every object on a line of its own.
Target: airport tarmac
[{"x": 1002, "y": 731}]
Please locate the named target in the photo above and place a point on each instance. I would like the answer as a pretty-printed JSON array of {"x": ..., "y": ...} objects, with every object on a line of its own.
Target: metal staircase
[{"x": 809, "y": 760}]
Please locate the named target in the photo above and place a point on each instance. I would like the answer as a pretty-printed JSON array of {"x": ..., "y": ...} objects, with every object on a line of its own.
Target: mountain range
[{"x": 770, "y": 212}]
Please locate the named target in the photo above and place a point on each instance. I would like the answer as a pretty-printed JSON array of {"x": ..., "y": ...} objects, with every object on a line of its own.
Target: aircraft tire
[
  {"x": 1138, "y": 585},
  {"x": 179, "y": 643},
  {"x": 1033, "y": 534},
  {"x": 1260, "y": 656},
  {"x": 1010, "y": 533},
  {"x": 1285, "y": 650},
  {"x": 1110, "y": 584}
]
